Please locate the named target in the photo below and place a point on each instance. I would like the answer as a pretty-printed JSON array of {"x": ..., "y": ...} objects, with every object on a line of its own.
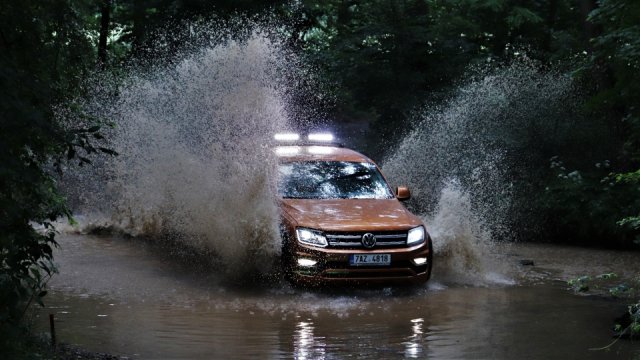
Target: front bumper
[{"x": 333, "y": 266}]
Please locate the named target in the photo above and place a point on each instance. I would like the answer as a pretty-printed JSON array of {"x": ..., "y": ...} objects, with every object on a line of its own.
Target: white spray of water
[
  {"x": 195, "y": 162},
  {"x": 461, "y": 158},
  {"x": 462, "y": 242}
]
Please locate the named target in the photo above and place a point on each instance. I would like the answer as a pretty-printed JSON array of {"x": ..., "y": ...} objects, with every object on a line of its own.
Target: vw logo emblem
[{"x": 368, "y": 240}]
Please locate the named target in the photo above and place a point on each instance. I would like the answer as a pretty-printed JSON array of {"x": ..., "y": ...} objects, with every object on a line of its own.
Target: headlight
[
  {"x": 311, "y": 237},
  {"x": 415, "y": 236}
]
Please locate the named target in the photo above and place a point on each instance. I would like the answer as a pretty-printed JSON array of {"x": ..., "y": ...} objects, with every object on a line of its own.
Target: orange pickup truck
[{"x": 341, "y": 222}]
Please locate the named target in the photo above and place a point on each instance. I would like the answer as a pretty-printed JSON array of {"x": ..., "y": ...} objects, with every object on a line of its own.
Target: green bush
[
  {"x": 585, "y": 207},
  {"x": 42, "y": 62}
]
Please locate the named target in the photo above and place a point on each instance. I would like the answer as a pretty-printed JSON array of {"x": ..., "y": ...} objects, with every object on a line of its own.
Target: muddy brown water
[{"x": 126, "y": 297}]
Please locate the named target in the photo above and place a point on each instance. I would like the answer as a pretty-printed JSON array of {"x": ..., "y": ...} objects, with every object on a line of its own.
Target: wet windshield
[{"x": 331, "y": 180}]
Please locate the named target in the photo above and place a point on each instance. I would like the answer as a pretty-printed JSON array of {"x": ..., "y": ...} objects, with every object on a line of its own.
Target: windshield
[{"x": 331, "y": 180}]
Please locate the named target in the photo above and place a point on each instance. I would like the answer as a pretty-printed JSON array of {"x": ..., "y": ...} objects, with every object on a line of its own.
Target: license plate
[{"x": 370, "y": 259}]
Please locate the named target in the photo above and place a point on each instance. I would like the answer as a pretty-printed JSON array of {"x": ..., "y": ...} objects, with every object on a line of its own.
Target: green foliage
[
  {"x": 634, "y": 311},
  {"x": 631, "y": 222},
  {"x": 620, "y": 38},
  {"x": 600, "y": 204},
  {"x": 627, "y": 325},
  {"x": 578, "y": 205},
  {"x": 382, "y": 53},
  {"x": 47, "y": 49},
  {"x": 520, "y": 16},
  {"x": 617, "y": 54},
  {"x": 580, "y": 284},
  {"x": 605, "y": 284},
  {"x": 42, "y": 59}
]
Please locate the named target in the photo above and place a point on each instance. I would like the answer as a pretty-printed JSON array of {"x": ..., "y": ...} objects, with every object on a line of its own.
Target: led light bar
[
  {"x": 319, "y": 150},
  {"x": 321, "y": 137},
  {"x": 286, "y": 137},
  {"x": 287, "y": 150}
]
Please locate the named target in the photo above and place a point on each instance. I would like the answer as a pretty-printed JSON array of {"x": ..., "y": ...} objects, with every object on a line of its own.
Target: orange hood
[{"x": 349, "y": 214}]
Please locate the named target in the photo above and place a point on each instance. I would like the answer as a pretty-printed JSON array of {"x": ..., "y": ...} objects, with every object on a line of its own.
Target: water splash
[
  {"x": 462, "y": 242},
  {"x": 194, "y": 161},
  {"x": 466, "y": 160}
]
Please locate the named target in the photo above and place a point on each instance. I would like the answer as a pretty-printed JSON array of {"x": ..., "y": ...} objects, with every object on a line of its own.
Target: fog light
[
  {"x": 420, "y": 261},
  {"x": 306, "y": 262}
]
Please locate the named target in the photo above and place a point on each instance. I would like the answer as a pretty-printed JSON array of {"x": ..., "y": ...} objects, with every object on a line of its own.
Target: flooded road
[{"x": 129, "y": 297}]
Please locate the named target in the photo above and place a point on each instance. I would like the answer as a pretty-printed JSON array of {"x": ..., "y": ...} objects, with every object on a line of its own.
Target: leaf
[
  {"x": 520, "y": 16},
  {"x": 607, "y": 276},
  {"x": 108, "y": 151},
  {"x": 35, "y": 273},
  {"x": 494, "y": 5}
]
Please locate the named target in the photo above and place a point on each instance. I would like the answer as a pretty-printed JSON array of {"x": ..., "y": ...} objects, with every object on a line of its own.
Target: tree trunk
[
  {"x": 139, "y": 18},
  {"x": 105, "y": 14},
  {"x": 603, "y": 74},
  {"x": 589, "y": 29},
  {"x": 551, "y": 22}
]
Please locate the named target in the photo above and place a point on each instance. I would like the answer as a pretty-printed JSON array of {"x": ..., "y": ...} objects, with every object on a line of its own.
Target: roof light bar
[
  {"x": 286, "y": 137},
  {"x": 321, "y": 137},
  {"x": 287, "y": 150},
  {"x": 319, "y": 150}
]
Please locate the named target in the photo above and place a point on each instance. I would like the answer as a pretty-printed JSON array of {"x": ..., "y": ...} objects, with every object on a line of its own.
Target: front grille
[{"x": 353, "y": 240}]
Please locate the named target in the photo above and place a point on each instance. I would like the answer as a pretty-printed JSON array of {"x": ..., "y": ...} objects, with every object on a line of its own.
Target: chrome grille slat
[
  {"x": 390, "y": 243},
  {"x": 392, "y": 236},
  {"x": 345, "y": 244},
  {"x": 344, "y": 236}
]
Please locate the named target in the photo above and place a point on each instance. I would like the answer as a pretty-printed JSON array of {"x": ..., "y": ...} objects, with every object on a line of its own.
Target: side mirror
[{"x": 403, "y": 193}]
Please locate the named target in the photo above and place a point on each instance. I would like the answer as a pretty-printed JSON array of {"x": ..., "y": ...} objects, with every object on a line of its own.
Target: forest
[{"x": 575, "y": 167}]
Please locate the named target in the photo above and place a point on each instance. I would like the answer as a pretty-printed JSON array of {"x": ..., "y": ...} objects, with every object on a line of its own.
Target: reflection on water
[
  {"x": 413, "y": 345},
  {"x": 455, "y": 323},
  {"x": 123, "y": 299},
  {"x": 306, "y": 345}
]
